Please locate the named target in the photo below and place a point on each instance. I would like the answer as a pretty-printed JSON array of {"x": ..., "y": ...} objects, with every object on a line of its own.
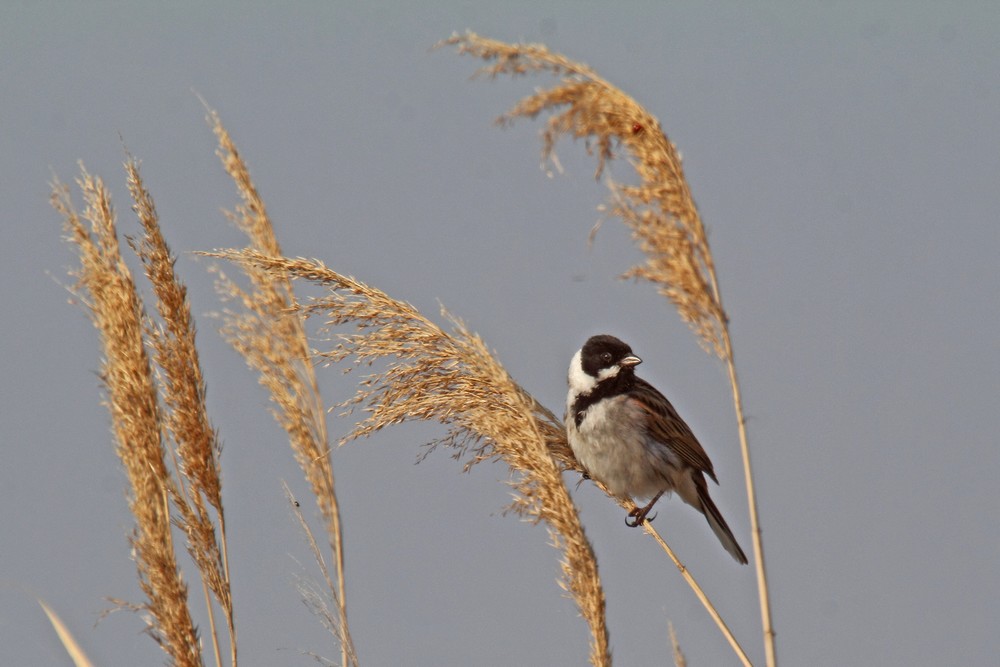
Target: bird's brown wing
[{"x": 667, "y": 427}]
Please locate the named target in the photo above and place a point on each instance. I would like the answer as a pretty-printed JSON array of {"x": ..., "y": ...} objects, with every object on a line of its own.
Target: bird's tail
[{"x": 719, "y": 525}]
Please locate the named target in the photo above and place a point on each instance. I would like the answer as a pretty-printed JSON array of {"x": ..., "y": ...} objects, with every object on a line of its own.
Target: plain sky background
[{"x": 846, "y": 158}]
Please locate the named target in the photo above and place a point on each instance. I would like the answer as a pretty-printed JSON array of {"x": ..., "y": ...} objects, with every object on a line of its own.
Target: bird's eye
[{"x": 606, "y": 357}]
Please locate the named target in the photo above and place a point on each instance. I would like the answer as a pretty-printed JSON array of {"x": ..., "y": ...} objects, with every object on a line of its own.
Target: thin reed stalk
[
  {"x": 758, "y": 544},
  {"x": 659, "y": 211},
  {"x": 273, "y": 342},
  {"x": 73, "y": 649},
  {"x": 701, "y": 595},
  {"x": 451, "y": 377}
]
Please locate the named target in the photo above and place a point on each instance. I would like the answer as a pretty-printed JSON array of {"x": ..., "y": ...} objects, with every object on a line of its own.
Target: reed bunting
[{"x": 628, "y": 436}]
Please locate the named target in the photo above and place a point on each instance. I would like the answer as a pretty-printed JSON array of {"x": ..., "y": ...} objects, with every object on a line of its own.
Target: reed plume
[
  {"x": 449, "y": 376},
  {"x": 272, "y": 341},
  {"x": 197, "y": 451},
  {"x": 659, "y": 211},
  {"x": 106, "y": 286}
]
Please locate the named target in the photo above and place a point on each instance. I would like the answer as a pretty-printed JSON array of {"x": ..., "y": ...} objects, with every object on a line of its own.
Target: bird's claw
[{"x": 638, "y": 516}]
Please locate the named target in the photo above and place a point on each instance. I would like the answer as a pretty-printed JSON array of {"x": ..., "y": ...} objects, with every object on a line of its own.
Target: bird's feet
[{"x": 636, "y": 517}]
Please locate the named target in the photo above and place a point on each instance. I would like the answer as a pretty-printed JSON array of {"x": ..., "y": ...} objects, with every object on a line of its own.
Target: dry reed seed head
[
  {"x": 175, "y": 351},
  {"x": 183, "y": 391},
  {"x": 443, "y": 364},
  {"x": 117, "y": 312},
  {"x": 252, "y": 215},
  {"x": 660, "y": 211},
  {"x": 273, "y": 342},
  {"x": 450, "y": 377}
]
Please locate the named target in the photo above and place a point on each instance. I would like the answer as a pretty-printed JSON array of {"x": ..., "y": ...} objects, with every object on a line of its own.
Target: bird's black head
[{"x": 603, "y": 352}]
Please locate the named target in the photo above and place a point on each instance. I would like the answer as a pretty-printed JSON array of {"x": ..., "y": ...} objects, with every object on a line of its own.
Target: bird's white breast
[{"x": 612, "y": 445}]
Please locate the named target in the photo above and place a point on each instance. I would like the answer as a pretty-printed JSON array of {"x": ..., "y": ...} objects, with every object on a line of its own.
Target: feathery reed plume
[
  {"x": 116, "y": 311},
  {"x": 452, "y": 378},
  {"x": 659, "y": 211},
  {"x": 198, "y": 450},
  {"x": 273, "y": 342}
]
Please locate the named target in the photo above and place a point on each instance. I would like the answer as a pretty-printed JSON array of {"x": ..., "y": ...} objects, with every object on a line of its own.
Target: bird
[{"x": 627, "y": 435}]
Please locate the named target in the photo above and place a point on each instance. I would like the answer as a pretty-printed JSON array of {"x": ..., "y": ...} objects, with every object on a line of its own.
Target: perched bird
[{"x": 628, "y": 436}]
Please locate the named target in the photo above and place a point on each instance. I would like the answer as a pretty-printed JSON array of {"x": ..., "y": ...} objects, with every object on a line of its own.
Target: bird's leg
[{"x": 638, "y": 515}]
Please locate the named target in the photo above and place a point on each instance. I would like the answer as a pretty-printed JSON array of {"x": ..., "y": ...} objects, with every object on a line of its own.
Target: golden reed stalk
[
  {"x": 73, "y": 649},
  {"x": 659, "y": 211}
]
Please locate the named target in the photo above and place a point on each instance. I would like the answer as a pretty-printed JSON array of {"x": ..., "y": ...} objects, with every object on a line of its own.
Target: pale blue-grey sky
[{"x": 845, "y": 157}]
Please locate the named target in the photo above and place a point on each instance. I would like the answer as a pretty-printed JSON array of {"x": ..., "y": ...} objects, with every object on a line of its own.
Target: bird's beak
[{"x": 630, "y": 361}]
